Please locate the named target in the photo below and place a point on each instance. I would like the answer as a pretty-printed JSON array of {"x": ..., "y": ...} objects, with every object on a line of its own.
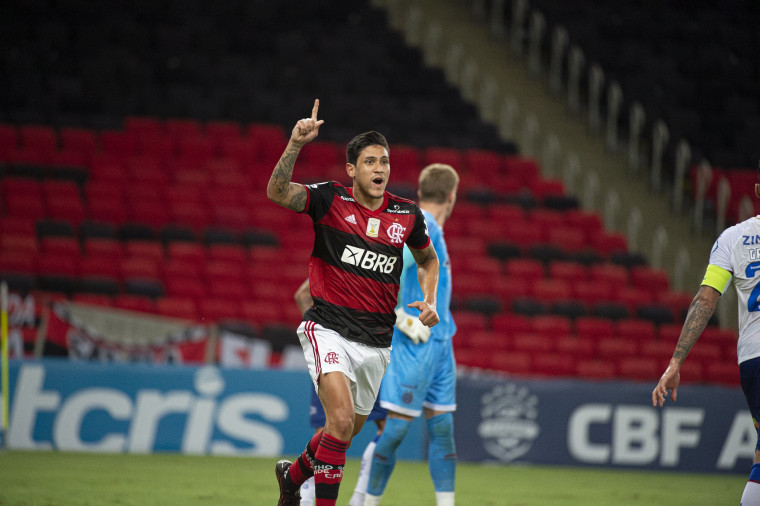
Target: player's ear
[
  {"x": 757, "y": 190},
  {"x": 350, "y": 170}
]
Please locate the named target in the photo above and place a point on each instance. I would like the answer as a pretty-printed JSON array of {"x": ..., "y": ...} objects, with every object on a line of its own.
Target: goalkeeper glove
[{"x": 412, "y": 327}]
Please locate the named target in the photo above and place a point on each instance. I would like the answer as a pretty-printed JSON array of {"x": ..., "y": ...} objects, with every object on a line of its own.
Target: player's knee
[
  {"x": 395, "y": 430},
  {"x": 441, "y": 429},
  {"x": 341, "y": 424}
]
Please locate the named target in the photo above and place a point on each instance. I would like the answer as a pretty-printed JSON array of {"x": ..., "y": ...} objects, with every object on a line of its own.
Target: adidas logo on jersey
[{"x": 351, "y": 219}]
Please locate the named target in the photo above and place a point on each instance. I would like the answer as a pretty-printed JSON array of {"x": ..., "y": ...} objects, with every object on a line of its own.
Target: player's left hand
[{"x": 428, "y": 314}]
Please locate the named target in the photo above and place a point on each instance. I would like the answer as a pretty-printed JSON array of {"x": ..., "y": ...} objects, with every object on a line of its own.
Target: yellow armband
[{"x": 717, "y": 277}]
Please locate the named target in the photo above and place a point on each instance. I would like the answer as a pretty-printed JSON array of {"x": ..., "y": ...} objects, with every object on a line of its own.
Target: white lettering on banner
[
  {"x": 740, "y": 442},
  {"x": 639, "y": 434},
  {"x": 579, "y": 430},
  {"x": 634, "y": 435},
  {"x": 27, "y": 401},
  {"x": 68, "y": 423},
  {"x": 674, "y": 434},
  {"x": 203, "y": 413},
  {"x": 152, "y": 406},
  {"x": 233, "y": 422}
]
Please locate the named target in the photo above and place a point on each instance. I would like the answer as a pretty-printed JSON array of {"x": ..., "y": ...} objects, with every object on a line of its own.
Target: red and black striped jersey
[{"x": 356, "y": 263}]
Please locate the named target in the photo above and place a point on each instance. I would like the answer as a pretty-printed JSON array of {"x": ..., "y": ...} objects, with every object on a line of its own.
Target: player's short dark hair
[{"x": 361, "y": 141}]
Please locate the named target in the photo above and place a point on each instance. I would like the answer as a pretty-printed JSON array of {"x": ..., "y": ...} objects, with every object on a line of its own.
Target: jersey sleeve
[
  {"x": 719, "y": 270},
  {"x": 319, "y": 199},
  {"x": 420, "y": 237}
]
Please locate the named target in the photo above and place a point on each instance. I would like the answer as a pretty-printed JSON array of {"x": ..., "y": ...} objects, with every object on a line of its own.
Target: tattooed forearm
[
  {"x": 283, "y": 172},
  {"x": 696, "y": 321}
]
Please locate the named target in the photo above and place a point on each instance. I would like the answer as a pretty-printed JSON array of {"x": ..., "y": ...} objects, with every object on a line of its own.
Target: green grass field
[{"x": 53, "y": 478}]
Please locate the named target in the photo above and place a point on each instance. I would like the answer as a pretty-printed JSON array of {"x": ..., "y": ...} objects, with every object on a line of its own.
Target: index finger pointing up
[{"x": 315, "y": 109}]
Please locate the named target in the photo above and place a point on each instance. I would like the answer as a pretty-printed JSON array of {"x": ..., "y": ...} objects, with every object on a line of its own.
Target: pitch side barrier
[{"x": 136, "y": 408}]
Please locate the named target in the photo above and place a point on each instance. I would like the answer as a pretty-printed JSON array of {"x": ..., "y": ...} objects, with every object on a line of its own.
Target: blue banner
[
  {"x": 134, "y": 408},
  {"x": 604, "y": 424}
]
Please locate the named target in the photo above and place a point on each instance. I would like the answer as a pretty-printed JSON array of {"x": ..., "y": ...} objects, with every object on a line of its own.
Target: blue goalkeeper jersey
[{"x": 410, "y": 290}]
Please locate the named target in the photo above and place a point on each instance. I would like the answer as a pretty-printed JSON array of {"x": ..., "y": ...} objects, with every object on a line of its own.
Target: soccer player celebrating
[
  {"x": 732, "y": 255},
  {"x": 422, "y": 372},
  {"x": 354, "y": 272}
]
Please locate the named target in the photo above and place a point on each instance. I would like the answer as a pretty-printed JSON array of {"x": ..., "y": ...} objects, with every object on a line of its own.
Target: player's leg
[
  {"x": 348, "y": 388},
  {"x": 402, "y": 393},
  {"x": 440, "y": 404},
  {"x": 749, "y": 372},
  {"x": 330, "y": 458},
  {"x": 317, "y": 422},
  {"x": 357, "y": 499},
  {"x": 335, "y": 390}
]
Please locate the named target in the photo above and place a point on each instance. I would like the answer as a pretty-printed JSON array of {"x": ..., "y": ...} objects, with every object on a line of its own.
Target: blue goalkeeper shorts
[
  {"x": 749, "y": 372},
  {"x": 317, "y": 413},
  {"x": 419, "y": 375}
]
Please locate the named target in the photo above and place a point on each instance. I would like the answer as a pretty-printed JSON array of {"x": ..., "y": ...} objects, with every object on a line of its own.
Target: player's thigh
[
  {"x": 749, "y": 372},
  {"x": 441, "y": 394},
  {"x": 408, "y": 377}
]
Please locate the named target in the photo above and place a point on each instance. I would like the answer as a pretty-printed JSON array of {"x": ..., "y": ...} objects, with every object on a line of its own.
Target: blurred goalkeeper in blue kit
[{"x": 422, "y": 371}]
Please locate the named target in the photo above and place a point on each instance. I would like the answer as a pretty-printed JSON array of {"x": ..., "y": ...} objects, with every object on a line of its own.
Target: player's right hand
[
  {"x": 307, "y": 129},
  {"x": 668, "y": 381}
]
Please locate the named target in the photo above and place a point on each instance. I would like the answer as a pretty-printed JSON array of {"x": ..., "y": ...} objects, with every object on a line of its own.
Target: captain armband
[{"x": 717, "y": 277}]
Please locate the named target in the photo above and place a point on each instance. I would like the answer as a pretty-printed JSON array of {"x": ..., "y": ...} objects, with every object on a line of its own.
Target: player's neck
[
  {"x": 365, "y": 200},
  {"x": 439, "y": 211}
]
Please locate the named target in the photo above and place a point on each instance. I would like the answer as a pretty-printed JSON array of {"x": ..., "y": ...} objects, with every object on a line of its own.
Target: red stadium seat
[
  {"x": 532, "y": 342},
  {"x": 485, "y": 340},
  {"x": 658, "y": 351},
  {"x": 134, "y": 303},
  {"x": 525, "y": 268},
  {"x": 607, "y": 243},
  {"x": 38, "y": 137},
  {"x": 551, "y": 290},
  {"x": 576, "y": 348},
  {"x": 612, "y": 349},
  {"x": 554, "y": 365},
  {"x": 726, "y": 373},
  {"x": 216, "y": 309},
  {"x": 650, "y": 279},
  {"x": 509, "y": 323},
  {"x": 635, "y": 330},
  {"x": 553, "y": 326},
  {"x": 518, "y": 363},
  {"x": 177, "y": 307},
  {"x": 639, "y": 369},
  {"x": 571, "y": 272},
  {"x": 594, "y": 369},
  {"x": 617, "y": 275}
]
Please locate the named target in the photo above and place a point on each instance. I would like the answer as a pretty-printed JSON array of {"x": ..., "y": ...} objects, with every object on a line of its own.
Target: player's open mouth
[{"x": 378, "y": 181}]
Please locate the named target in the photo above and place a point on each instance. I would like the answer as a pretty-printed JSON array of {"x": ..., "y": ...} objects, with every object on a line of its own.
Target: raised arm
[
  {"x": 280, "y": 189},
  {"x": 701, "y": 309},
  {"x": 427, "y": 273}
]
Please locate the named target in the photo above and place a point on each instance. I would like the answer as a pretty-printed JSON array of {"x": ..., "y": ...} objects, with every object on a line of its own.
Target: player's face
[{"x": 371, "y": 172}]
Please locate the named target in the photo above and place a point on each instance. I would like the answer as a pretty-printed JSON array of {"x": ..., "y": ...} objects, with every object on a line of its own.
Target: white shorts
[{"x": 327, "y": 351}]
